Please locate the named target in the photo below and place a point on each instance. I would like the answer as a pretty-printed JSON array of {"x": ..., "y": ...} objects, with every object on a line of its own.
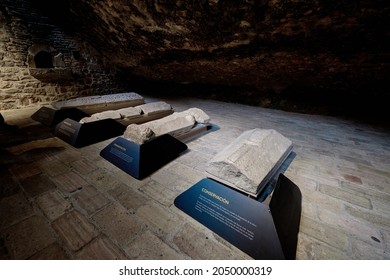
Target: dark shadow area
[
  {"x": 270, "y": 187},
  {"x": 286, "y": 209},
  {"x": 368, "y": 104},
  {"x": 13, "y": 135},
  {"x": 43, "y": 60}
]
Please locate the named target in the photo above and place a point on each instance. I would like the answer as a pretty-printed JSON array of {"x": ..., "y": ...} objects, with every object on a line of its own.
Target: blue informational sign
[{"x": 239, "y": 219}]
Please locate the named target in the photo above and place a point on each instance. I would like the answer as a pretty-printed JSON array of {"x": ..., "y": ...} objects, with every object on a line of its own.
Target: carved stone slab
[
  {"x": 251, "y": 160},
  {"x": 99, "y": 103},
  {"x": 175, "y": 124},
  {"x": 138, "y": 114}
]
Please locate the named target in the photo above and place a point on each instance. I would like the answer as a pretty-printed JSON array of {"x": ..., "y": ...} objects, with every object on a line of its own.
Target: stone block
[
  {"x": 8, "y": 185},
  {"x": 28, "y": 237},
  {"x": 324, "y": 232},
  {"x": 100, "y": 249},
  {"x": 83, "y": 166},
  {"x": 52, "y": 252},
  {"x": 90, "y": 199},
  {"x": 118, "y": 224},
  {"x": 102, "y": 180},
  {"x": 37, "y": 184},
  {"x": 128, "y": 198},
  {"x": 22, "y": 171},
  {"x": 251, "y": 160},
  {"x": 160, "y": 217},
  {"x": 150, "y": 247},
  {"x": 54, "y": 167},
  {"x": 53, "y": 204},
  {"x": 198, "y": 246},
  {"x": 14, "y": 209},
  {"x": 75, "y": 230},
  {"x": 69, "y": 182},
  {"x": 159, "y": 193},
  {"x": 351, "y": 196}
]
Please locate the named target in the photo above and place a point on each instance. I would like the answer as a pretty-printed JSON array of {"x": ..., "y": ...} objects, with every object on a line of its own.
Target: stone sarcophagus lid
[
  {"x": 107, "y": 124},
  {"x": 178, "y": 124},
  {"x": 133, "y": 115},
  {"x": 99, "y": 103},
  {"x": 81, "y": 107},
  {"x": 251, "y": 160}
]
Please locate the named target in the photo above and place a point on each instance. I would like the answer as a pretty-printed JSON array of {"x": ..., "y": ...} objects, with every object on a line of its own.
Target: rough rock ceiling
[{"x": 265, "y": 44}]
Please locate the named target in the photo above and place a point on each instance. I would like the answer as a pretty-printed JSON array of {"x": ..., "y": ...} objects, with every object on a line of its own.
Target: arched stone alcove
[
  {"x": 46, "y": 64},
  {"x": 40, "y": 56}
]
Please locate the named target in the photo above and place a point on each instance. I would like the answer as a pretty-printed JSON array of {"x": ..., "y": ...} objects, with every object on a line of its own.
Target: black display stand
[
  {"x": 50, "y": 116},
  {"x": 286, "y": 208},
  {"x": 142, "y": 160},
  {"x": 260, "y": 231},
  {"x": 83, "y": 134}
]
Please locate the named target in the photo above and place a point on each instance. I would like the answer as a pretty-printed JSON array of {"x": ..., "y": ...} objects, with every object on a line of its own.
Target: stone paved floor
[{"x": 60, "y": 202}]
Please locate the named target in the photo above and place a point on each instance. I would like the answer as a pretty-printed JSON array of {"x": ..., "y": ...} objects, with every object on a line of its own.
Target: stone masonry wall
[{"x": 76, "y": 70}]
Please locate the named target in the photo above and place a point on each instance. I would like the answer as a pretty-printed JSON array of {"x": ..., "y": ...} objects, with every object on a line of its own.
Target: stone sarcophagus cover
[{"x": 251, "y": 160}]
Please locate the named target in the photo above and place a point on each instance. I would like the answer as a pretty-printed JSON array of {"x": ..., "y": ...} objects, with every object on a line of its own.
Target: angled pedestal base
[
  {"x": 260, "y": 231},
  {"x": 142, "y": 160},
  {"x": 50, "y": 116},
  {"x": 83, "y": 134}
]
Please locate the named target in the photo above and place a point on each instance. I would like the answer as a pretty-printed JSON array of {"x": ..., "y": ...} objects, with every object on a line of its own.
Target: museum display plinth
[
  {"x": 83, "y": 134},
  {"x": 260, "y": 231},
  {"x": 50, "y": 116},
  {"x": 141, "y": 160}
]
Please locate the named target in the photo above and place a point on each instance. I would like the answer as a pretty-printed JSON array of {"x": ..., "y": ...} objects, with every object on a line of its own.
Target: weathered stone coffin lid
[
  {"x": 176, "y": 124},
  {"x": 130, "y": 115},
  {"x": 99, "y": 103},
  {"x": 251, "y": 160}
]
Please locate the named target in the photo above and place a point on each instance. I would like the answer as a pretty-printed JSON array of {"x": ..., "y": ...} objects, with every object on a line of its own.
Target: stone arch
[
  {"x": 46, "y": 64},
  {"x": 40, "y": 56}
]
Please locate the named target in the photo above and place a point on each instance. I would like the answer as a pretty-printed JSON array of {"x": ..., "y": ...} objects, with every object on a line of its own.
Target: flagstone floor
[{"x": 61, "y": 202}]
